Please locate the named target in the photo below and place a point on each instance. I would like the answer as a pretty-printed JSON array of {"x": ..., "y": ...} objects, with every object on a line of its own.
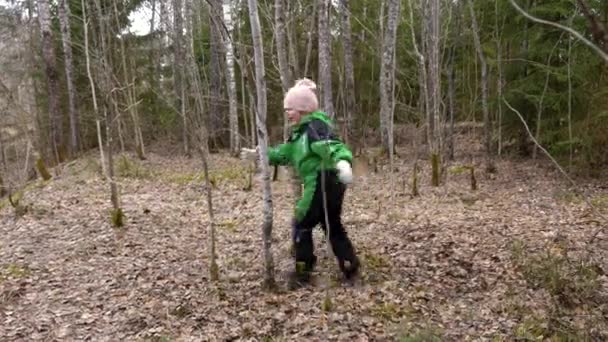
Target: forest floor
[{"x": 510, "y": 260}]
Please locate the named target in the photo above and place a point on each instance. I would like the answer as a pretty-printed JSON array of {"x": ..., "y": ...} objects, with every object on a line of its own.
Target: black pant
[{"x": 340, "y": 243}]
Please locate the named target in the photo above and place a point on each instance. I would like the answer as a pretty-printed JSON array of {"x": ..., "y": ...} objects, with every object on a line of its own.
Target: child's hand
[
  {"x": 345, "y": 172},
  {"x": 249, "y": 154}
]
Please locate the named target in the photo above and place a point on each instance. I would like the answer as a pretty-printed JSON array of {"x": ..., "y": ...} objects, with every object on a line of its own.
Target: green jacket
[{"x": 313, "y": 146}]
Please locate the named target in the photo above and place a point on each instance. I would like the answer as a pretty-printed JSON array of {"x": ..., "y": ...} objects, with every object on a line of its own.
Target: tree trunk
[
  {"x": 52, "y": 78},
  {"x": 434, "y": 81},
  {"x": 309, "y": 35},
  {"x": 325, "y": 39},
  {"x": 292, "y": 41},
  {"x": 386, "y": 73},
  {"x": 487, "y": 126},
  {"x": 64, "y": 20},
  {"x": 231, "y": 81},
  {"x": 451, "y": 106},
  {"x": 129, "y": 96},
  {"x": 260, "y": 79},
  {"x": 105, "y": 83},
  {"x": 178, "y": 77},
  {"x": 215, "y": 75},
  {"x": 285, "y": 73},
  {"x": 499, "y": 81},
  {"x": 349, "y": 69}
]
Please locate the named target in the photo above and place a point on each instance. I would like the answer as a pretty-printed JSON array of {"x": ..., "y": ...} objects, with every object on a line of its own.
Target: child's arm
[{"x": 278, "y": 155}]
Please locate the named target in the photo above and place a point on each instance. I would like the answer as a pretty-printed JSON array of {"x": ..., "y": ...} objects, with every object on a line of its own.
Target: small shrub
[
  {"x": 128, "y": 168},
  {"x": 424, "y": 334}
]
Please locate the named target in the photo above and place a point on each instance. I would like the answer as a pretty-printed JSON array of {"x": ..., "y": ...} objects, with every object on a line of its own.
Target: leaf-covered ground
[{"x": 510, "y": 260}]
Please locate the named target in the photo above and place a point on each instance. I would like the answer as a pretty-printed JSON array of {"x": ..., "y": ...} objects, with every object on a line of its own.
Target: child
[{"x": 319, "y": 158}]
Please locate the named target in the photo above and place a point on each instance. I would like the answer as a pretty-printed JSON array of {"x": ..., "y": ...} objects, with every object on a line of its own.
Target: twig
[{"x": 585, "y": 197}]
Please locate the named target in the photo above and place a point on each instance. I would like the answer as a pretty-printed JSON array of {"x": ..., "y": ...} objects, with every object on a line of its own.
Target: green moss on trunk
[
  {"x": 44, "y": 172},
  {"x": 435, "y": 169},
  {"x": 118, "y": 218}
]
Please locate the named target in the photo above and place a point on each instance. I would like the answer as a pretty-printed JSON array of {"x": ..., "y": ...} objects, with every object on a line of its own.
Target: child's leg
[{"x": 341, "y": 244}]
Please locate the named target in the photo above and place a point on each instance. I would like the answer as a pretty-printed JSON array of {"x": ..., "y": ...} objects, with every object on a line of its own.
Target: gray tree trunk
[
  {"x": 215, "y": 74},
  {"x": 292, "y": 41},
  {"x": 64, "y": 20},
  {"x": 178, "y": 77},
  {"x": 349, "y": 69},
  {"x": 105, "y": 83},
  {"x": 231, "y": 80},
  {"x": 386, "y": 74},
  {"x": 309, "y": 35},
  {"x": 285, "y": 73},
  {"x": 434, "y": 81},
  {"x": 260, "y": 79},
  {"x": 52, "y": 78},
  {"x": 325, "y": 39},
  {"x": 487, "y": 125}
]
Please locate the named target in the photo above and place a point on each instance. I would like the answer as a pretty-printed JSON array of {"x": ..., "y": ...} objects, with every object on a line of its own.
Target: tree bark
[
  {"x": 487, "y": 125},
  {"x": 231, "y": 81},
  {"x": 434, "y": 81},
  {"x": 262, "y": 132},
  {"x": 386, "y": 74},
  {"x": 349, "y": 69},
  {"x": 309, "y": 35},
  {"x": 215, "y": 75},
  {"x": 52, "y": 78},
  {"x": 325, "y": 76},
  {"x": 178, "y": 77},
  {"x": 64, "y": 20},
  {"x": 285, "y": 73}
]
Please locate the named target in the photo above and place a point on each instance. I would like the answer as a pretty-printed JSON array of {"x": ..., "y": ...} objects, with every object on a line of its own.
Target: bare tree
[
  {"x": 487, "y": 126},
  {"x": 434, "y": 85},
  {"x": 52, "y": 78},
  {"x": 215, "y": 73},
  {"x": 310, "y": 35},
  {"x": 105, "y": 76},
  {"x": 325, "y": 39},
  {"x": 286, "y": 79},
  {"x": 178, "y": 77},
  {"x": 349, "y": 68},
  {"x": 231, "y": 80},
  {"x": 64, "y": 20},
  {"x": 130, "y": 96},
  {"x": 500, "y": 78},
  {"x": 386, "y": 74},
  {"x": 262, "y": 139}
]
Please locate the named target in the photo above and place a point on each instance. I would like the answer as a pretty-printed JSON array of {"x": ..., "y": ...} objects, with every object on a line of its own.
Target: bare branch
[
  {"x": 563, "y": 172},
  {"x": 587, "y": 42}
]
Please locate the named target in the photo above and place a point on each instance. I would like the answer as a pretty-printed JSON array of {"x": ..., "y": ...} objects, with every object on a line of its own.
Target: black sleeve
[{"x": 319, "y": 130}]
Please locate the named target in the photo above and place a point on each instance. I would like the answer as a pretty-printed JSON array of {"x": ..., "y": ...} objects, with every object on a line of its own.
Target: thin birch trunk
[
  {"x": 263, "y": 140},
  {"x": 85, "y": 25},
  {"x": 105, "y": 82}
]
